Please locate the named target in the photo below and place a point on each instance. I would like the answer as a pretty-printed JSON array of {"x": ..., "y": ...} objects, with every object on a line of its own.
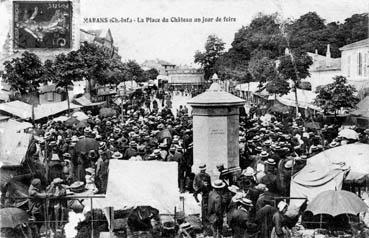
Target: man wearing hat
[
  {"x": 54, "y": 168},
  {"x": 130, "y": 151},
  {"x": 102, "y": 166},
  {"x": 239, "y": 219},
  {"x": 216, "y": 207},
  {"x": 202, "y": 184},
  {"x": 270, "y": 178},
  {"x": 59, "y": 205},
  {"x": 36, "y": 203},
  {"x": 182, "y": 167},
  {"x": 279, "y": 219}
]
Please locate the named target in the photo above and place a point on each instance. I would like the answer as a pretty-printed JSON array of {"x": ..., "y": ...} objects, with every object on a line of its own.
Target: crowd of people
[
  {"x": 249, "y": 199},
  {"x": 252, "y": 200}
]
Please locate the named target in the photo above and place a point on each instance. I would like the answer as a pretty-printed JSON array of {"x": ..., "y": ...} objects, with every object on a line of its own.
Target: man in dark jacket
[
  {"x": 264, "y": 220},
  {"x": 216, "y": 208},
  {"x": 239, "y": 219},
  {"x": 202, "y": 184}
]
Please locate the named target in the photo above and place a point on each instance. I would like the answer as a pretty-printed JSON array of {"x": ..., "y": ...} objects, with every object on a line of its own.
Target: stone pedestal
[{"x": 215, "y": 129}]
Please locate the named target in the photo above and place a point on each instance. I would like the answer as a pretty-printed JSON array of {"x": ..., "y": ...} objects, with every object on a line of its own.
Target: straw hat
[
  {"x": 218, "y": 184},
  {"x": 270, "y": 162},
  {"x": 202, "y": 167},
  {"x": 117, "y": 155},
  {"x": 282, "y": 205},
  {"x": 264, "y": 154},
  {"x": 288, "y": 164}
]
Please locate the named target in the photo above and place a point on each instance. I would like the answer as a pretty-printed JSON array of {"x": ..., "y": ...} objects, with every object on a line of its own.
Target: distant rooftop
[{"x": 357, "y": 44}]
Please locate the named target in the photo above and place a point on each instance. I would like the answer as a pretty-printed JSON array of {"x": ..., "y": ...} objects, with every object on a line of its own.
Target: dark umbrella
[
  {"x": 71, "y": 121},
  {"x": 86, "y": 144},
  {"x": 312, "y": 125},
  {"x": 335, "y": 203},
  {"x": 11, "y": 217},
  {"x": 164, "y": 134},
  {"x": 107, "y": 112}
]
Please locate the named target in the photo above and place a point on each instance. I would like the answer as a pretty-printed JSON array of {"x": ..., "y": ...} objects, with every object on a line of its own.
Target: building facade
[
  {"x": 355, "y": 63},
  {"x": 323, "y": 69}
]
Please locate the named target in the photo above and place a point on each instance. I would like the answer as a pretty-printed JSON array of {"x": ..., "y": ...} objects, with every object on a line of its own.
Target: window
[
  {"x": 348, "y": 65},
  {"x": 365, "y": 66},
  {"x": 360, "y": 64},
  {"x": 50, "y": 96}
]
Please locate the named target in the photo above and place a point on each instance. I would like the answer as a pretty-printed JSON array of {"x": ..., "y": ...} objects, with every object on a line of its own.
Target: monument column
[{"x": 215, "y": 129}]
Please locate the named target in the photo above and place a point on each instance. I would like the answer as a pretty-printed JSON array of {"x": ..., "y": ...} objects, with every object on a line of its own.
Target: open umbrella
[
  {"x": 11, "y": 217},
  {"x": 349, "y": 134},
  {"x": 107, "y": 112},
  {"x": 335, "y": 203},
  {"x": 312, "y": 125},
  {"x": 82, "y": 124},
  {"x": 164, "y": 134},
  {"x": 86, "y": 144},
  {"x": 71, "y": 121}
]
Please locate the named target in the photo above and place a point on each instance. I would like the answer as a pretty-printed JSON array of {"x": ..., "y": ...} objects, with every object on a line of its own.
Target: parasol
[
  {"x": 164, "y": 134},
  {"x": 335, "y": 203},
  {"x": 349, "y": 134},
  {"x": 312, "y": 125},
  {"x": 71, "y": 121},
  {"x": 82, "y": 124},
  {"x": 86, "y": 144},
  {"x": 11, "y": 217},
  {"x": 107, "y": 112}
]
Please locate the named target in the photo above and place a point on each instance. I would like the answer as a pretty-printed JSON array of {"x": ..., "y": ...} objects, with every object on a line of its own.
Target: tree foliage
[
  {"x": 262, "y": 68},
  {"x": 151, "y": 74},
  {"x": 295, "y": 66},
  {"x": 334, "y": 96},
  {"x": 278, "y": 86},
  {"x": 24, "y": 74},
  {"x": 214, "y": 48}
]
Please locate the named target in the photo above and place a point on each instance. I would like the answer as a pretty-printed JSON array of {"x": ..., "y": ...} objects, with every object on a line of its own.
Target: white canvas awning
[{"x": 141, "y": 183}]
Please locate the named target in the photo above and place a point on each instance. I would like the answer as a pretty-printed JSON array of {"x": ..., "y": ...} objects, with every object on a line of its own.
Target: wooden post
[{"x": 92, "y": 220}]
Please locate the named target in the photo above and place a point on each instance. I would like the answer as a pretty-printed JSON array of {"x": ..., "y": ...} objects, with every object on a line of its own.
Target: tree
[
  {"x": 24, "y": 74},
  {"x": 278, "y": 86},
  {"x": 263, "y": 33},
  {"x": 135, "y": 72},
  {"x": 334, "y": 96},
  {"x": 68, "y": 68},
  {"x": 151, "y": 74},
  {"x": 262, "y": 68},
  {"x": 295, "y": 66},
  {"x": 214, "y": 48}
]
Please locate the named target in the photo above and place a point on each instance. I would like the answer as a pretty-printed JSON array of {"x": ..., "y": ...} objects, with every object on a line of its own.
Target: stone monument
[{"x": 215, "y": 129}]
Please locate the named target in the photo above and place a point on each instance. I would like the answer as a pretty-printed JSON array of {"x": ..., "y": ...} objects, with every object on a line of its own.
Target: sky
[{"x": 177, "y": 42}]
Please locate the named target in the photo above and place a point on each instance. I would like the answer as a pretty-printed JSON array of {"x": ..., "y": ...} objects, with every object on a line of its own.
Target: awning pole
[{"x": 92, "y": 220}]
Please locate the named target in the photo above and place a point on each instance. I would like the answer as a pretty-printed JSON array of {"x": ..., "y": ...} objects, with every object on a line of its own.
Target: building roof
[
  {"x": 47, "y": 88},
  {"x": 357, "y": 44},
  {"x": 215, "y": 97}
]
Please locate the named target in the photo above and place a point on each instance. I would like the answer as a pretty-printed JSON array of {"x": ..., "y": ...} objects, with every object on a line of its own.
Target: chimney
[
  {"x": 286, "y": 51},
  {"x": 328, "y": 53},
  {"x": 316, "y": 51}
]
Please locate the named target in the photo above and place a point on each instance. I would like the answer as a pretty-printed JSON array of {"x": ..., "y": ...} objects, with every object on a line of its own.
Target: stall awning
[
  {"x": 17, "y": 108},
  {"x": 85, "y": 102},
  {"x": 248, "y": 87},
  {"x": 141, "y": 183},
  {"x": 13, "y": 147},
  {"x": 305, "y": 99},
  {"x": 24, "y": 110}
]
